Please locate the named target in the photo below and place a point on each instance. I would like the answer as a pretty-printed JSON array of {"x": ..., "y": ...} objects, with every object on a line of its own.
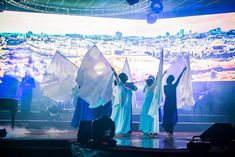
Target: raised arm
[
  {"x": 131, "y": 86},
  {"x": 155, "y": 82},
  {"x": 115, "y": 74},
  {"x": 178, "y": 80},
  {"x": 164, "y": 73},
  {"x": 144, "y": 88},
  {"x": 161, "y": 64},
  {"x": 135, "y": 88}
]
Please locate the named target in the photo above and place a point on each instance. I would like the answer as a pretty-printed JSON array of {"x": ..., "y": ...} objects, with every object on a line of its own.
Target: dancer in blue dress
[
  {"x": 122, "y": 105},
  {"x": 27, "y": 85},
  {"x": 82, "y": 110},
  {"x": 148, "y": 124},
  {"x": 170, "y": 116},
  {"x": 146, "y": 121}
]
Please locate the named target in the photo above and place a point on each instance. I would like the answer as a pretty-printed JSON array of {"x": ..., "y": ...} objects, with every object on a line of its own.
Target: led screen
[{"x": 29, "y": 41}]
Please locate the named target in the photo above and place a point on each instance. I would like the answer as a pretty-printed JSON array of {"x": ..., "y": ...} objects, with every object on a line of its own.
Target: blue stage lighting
[
  {"x": 151, "y": 18},
  {"x": 156, "y": 6},
  {"x": 132, "y": 2}
]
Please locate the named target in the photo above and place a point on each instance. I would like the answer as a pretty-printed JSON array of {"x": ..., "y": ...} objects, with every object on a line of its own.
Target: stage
[
  {"x": 77, "y": 60},
  {"x": 54, "y": 142},
  {"x": 135, "y": 139}
]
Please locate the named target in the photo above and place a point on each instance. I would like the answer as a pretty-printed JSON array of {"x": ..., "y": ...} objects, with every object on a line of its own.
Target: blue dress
[
  {"x": 170, "y": 116},
  {"x": 82, "y": 112},
  {"x": 122, "y": 107},
  {"x": 103, "y": 110},
  {"x": 146, "y": 121},
  {"x": 27, "y": 86}
]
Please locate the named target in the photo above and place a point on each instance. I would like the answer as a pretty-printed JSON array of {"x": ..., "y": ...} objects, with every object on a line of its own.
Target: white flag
[
  {"x": 126, "y": 69},
  {"x": 185, "y": 97},
  {"x": 153, "y": 109},
  {"x": 95, "y": 78},
  {"x": 58, "y": 81},
  {"x": 184, "y": 93}
]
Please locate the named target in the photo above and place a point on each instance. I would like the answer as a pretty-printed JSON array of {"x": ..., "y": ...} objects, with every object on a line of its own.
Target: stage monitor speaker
[
  {"x": 233, "y": 132},
  {"x": 103, "y": 129},
  {"x": 84, "y": 132},
  {"x": 218, "y": 134}
]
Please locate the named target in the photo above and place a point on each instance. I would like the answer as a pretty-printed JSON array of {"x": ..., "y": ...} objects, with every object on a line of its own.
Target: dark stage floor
[
  {"x": 136, "y": 139},
  {"x": 53, "y": 142}
]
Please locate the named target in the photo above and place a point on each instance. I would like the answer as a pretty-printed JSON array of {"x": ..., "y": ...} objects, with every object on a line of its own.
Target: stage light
[
  {"x": 155, "y": 8},
  {"x": 132, "y": 2},
  {"x": 151, "y": 18},
  {"x": 2, "y": 6},
  {"x": 3, "y": 133},
  {"x": 99, "y": 132},
  {"x": 103, "y": 131}
]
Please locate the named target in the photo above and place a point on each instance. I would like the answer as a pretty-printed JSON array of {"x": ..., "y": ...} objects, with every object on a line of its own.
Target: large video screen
[{"x": 28, "y": 41}]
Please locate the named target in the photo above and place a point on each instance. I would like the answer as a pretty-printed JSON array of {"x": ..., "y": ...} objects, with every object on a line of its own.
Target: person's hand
[
  {"x": 115, "y": 74},
  {"x": 184, "y": 68}
]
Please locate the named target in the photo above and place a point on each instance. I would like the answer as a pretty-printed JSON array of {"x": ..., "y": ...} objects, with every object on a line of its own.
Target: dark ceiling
[{"x": 120, "y": 8}]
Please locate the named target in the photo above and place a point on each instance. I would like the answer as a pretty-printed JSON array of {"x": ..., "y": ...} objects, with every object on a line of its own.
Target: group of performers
[
  {"x": 120, "y": 108},
  {"x": 11, "y": 87}
]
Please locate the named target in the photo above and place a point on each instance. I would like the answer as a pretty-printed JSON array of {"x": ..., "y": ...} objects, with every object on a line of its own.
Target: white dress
[
  {"x": 122, "y": 107},
  {"x": 148, "y": 124}
]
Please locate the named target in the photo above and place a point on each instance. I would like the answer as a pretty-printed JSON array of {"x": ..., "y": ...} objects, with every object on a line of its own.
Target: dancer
[
  {"x": 147, "y": 121},
  {"x": 82, "y": 110},
  {"x": 122, "y": 105},
  {"x": 170, "y": 116},
  {"x": 27, "y": 86}
]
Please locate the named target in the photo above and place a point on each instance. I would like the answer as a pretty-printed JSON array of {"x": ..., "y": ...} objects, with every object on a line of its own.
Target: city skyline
[{"x": 62, "y": 24}]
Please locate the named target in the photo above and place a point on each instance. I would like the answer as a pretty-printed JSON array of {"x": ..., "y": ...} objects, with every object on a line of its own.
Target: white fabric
[
  {"x": 185, "y": 89},
  {"x": 184, "y": 92},
  {"x": 58, "y": 81},
  {"x": 121, "y": 113},
  {"x": 95, "y": 78},
  {"x": 154, "y": 106},
  {"x": 126, "y": 69}
]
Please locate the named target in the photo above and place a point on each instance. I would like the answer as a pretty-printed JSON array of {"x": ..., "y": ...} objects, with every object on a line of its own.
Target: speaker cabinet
[
  {"x": 84, "y": 132},
  {"x": 218, "y": 134}
]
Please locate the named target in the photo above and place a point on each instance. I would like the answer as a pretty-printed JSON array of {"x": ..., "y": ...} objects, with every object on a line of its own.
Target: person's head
[
  {"x": 27, "y": 73},
  {"x": 151, "y": 77},
  {"x": 150, "y": 80},
  {"x": 170, "y": 79},
  {"x": 123, "y": 77}
]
